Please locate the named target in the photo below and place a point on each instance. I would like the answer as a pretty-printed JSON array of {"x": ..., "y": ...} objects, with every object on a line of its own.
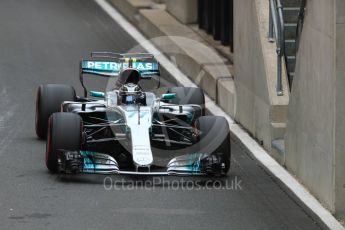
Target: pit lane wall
[
  {"x": 259, "y": 109},
  {"x": 314, "y": 143}
]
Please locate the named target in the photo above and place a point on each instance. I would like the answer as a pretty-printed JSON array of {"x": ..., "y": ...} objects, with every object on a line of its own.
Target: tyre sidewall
[
  {"x": 64, "y": 133},
  {"x": 214, "y": 137},
  {"x": 48, "y": 101}
]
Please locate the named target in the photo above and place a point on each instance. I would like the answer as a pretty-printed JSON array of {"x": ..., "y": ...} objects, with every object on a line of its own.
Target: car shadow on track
[{"x": 230, "y": 182}]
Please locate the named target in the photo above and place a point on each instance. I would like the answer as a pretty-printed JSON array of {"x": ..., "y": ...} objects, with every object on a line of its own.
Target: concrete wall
[
  {"x": 340, "y": 110},
  {"x": 255, "y": 72},
  {"x": 316, "y": 119},
  {"x": 309, "y": 140},
  {"x": 186, "y": 11}
]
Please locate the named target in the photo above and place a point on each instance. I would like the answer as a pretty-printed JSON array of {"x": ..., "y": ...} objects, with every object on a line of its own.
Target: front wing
[{"x": 86, "y": 162}]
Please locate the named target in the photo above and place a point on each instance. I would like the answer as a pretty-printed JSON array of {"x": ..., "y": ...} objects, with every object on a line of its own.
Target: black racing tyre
[
  {"x": 188, "y": 95},
  {"x": 48, "y": 101},
  {"x": 64, "y": 132},
  {"x": 214, "y": 138}
]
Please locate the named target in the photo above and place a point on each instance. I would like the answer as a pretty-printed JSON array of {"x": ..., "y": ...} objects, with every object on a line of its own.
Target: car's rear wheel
[
  {"x": 64, "y": 133},
  {"x": 48, "y": 101},
  {"x": 214, "y": 138},
  {"x": 188, "y": 95}
]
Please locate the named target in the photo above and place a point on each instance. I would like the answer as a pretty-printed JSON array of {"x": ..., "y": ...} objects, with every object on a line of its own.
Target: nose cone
[{"x": 142, "y": 155}]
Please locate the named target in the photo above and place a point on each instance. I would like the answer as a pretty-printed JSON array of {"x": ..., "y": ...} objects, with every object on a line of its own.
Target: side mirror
[
  {"x": 168, "y": 96},
  {"x": 97, "y": 94}
]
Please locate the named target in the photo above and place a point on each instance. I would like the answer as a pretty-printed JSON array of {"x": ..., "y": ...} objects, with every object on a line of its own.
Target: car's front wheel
[
  {"x": 214, "y": 138},
  {"x": 64, "y": 133}
]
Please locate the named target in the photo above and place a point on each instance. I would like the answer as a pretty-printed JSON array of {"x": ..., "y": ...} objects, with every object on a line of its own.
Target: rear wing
[{"x": 108, "y": 64}]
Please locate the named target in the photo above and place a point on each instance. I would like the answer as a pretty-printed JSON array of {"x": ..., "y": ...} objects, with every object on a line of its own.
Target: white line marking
[{"x": 256, "y": 150}]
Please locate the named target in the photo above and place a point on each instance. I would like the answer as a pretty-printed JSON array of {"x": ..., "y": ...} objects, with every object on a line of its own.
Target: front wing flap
[{"x": 195, "y": 164}]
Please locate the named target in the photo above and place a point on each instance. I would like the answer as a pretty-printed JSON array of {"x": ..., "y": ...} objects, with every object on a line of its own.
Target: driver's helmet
[{"x": 131, "y": 93}]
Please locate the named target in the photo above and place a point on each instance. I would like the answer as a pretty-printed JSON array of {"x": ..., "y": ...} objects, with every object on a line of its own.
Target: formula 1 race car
[{"x": 126, "y": 130}]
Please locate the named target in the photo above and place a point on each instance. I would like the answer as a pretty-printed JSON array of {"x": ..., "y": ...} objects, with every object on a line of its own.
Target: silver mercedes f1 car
[{"x": 127, "y": 130}]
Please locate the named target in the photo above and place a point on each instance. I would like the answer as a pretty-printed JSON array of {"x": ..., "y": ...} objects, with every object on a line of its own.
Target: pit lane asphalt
[{"x": 41, "y": 41}]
